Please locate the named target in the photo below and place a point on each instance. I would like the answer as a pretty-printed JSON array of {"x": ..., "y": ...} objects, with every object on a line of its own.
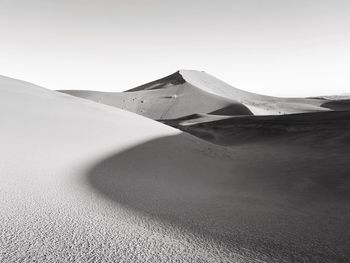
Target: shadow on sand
[{"x": 283, "y": 202}]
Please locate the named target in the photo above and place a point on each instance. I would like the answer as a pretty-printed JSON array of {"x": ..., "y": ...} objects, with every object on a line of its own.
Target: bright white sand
[
  {"x": 84, "y": 182},
  {"x": 258, "y": 104}
]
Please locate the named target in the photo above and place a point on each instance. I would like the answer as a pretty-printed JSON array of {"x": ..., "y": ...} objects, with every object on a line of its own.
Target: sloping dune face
[
  {"x": 167, "y": 98},
  {"x": 84, "y": 182},
  {"x": 189, "y": 92},
  {"x": 258, "y": 104}
]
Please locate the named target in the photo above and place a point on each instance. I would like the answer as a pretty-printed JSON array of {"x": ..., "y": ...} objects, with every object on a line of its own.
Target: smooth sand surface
[
  {"x": 85, "y": 182},
  {"x": 188, "y": 92}
]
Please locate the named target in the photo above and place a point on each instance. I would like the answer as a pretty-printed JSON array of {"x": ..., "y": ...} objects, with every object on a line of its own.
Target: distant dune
[
  {"x": 85, "y": 182},
  {"x": 199, "y": 98},
  {"x": 189, "y": 92}
]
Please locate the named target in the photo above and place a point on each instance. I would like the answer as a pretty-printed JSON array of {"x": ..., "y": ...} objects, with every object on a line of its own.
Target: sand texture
[{"x": 82, "y": 181}]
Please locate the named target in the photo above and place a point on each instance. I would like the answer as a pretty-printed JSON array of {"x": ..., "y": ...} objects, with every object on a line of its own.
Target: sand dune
[
  {"x": 189, "y": 92},
  {"x": 171, "y": 97},
  {"x": 86, "y": 182},
  {"x": 197, "y": 103}
]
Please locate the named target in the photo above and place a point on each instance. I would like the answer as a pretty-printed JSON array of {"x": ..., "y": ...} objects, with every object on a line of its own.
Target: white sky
[{"x": 274, "y": 47}]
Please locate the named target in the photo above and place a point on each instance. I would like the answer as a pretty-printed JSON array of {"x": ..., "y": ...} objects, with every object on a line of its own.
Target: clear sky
[{"x": 275, "y": 47}]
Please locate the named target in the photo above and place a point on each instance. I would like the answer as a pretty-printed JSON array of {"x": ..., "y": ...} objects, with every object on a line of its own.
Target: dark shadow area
[
  {"x": 232, "y": 110},
  {"x": 305, "y": 128},
  {"x": 281, "y": 202},
  {"x": 173, "y": 79},
  {"x": 337, "y": 105}
]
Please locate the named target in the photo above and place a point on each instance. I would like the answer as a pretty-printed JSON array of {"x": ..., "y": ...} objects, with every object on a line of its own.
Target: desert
[{"x": 184, "y": 169}]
